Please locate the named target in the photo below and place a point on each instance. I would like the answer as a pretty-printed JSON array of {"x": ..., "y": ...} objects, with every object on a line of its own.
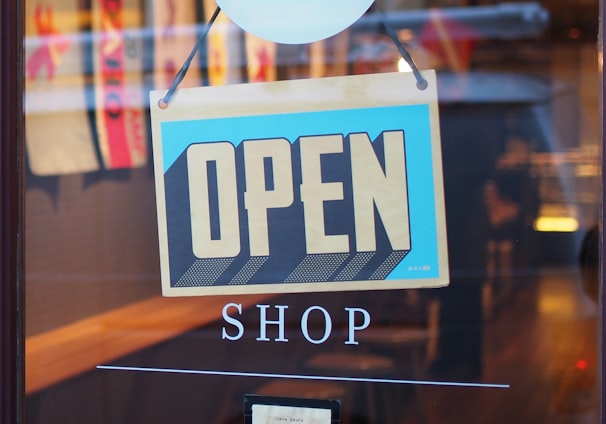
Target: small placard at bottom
[{"x": 285, "y": 410}]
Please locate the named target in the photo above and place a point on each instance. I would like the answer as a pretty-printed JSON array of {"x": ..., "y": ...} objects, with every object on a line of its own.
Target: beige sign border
[{"x": 295, "y": 96}]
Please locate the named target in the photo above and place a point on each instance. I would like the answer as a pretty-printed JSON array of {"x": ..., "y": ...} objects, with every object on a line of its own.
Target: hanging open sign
[{"x": 311, "y": 185}]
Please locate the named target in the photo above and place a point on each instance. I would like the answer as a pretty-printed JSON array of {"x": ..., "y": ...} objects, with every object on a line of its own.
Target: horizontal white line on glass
[{"x": 304, "y": 377}]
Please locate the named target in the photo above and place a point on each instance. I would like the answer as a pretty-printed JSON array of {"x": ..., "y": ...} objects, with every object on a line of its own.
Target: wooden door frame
[
  {"x": 602, "y": 326},
  {"x": 11, "y": 211}
]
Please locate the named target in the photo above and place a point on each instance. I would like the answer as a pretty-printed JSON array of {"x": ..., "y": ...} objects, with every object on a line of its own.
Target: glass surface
[{"x": 513, "y": 338}]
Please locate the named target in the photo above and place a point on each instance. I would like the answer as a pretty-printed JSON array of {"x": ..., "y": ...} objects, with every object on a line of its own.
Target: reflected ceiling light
[
  {"x": 561, "y": 224},
  {"x": 403, "y": 66}
]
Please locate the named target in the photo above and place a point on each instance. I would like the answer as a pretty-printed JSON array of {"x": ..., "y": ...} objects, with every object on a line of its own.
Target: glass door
[{"x": 514, "y": 336}]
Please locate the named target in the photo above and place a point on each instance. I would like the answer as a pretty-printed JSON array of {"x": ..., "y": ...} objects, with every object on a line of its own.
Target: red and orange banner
[
  {"x": 59, "y": 139},
  {"x": 451, "y": 43},
  {"x": 328, "y": 58},
  {"x": 118, "y": 65},
  {"x": 224, "y": 48},
  {"x": 260, "y": 59},
  {"x": 175, "y": 34}
]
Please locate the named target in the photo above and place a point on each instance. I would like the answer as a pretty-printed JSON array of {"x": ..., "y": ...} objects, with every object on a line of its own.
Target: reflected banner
[{"x": 310, "y": 185}]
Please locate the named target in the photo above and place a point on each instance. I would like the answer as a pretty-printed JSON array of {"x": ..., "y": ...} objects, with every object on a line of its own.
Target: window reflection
[{"x": 521, "y": 138}]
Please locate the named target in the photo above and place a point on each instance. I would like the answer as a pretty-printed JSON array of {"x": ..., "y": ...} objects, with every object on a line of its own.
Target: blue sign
[{"x": 296, "y": 198}]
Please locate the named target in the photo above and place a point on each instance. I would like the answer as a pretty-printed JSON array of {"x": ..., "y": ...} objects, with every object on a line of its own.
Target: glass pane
[{"x": 513, "y": 338}]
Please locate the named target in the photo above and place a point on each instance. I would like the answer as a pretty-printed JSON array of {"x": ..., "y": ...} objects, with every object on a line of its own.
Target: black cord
[
  {"x": 421, "y": 82},
  {"x": 164, "y": 101}
]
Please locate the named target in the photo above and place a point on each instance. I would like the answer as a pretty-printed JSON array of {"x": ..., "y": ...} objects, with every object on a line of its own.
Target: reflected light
[
  {"x": 563, "y": 224},
  {"x": 581, "y": 364},
  {"x": 556, "y": 305},
  {"x": 403, "y": 66}
]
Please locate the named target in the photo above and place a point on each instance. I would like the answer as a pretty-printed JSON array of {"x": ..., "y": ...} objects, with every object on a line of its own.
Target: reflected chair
[
  {"x": 305, "y": 389},
  {"x": 358, "y": 365},
  {"x": 387, "y": 350}
]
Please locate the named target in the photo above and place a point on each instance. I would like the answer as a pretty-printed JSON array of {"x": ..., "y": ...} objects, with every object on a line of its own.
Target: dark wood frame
[
  {"x": 602, "y": 344},
  {"x": 11, "y": 212}
]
